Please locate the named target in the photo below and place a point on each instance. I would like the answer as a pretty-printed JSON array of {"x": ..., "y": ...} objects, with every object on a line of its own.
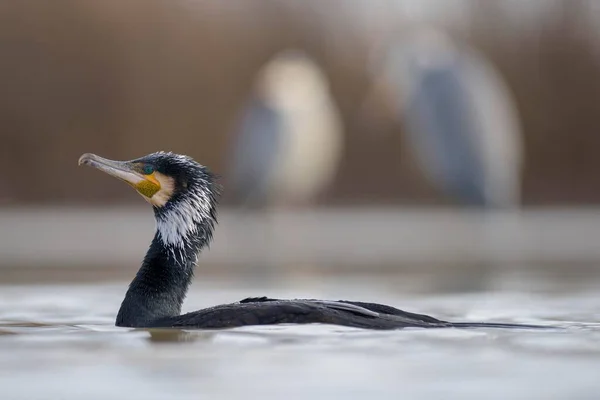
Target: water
[{"x": 59, "y": 342}]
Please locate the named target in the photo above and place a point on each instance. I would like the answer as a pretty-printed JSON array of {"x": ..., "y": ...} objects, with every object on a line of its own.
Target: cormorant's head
[{"x": 182, "y": 192}]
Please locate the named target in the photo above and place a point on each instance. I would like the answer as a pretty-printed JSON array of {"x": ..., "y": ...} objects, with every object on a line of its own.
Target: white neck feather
[{"x": 178, "y": 223}]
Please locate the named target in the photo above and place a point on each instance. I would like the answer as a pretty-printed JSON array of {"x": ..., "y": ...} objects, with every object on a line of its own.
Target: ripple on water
[{"x": 64, "y": 340}]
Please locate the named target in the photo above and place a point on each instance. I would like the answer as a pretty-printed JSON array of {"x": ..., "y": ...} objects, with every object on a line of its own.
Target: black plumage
[{"x": 185, "y": 223}]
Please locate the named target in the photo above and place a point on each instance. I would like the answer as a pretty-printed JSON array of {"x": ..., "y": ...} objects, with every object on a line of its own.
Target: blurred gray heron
[
  {"x": 459, "y": 116},
  {"x": 288, "y": 144},
  {"x": 286, "y": 148}
]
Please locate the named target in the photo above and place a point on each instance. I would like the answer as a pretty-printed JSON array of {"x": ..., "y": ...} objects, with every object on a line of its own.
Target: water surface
[{"x": 59, "y": 342}]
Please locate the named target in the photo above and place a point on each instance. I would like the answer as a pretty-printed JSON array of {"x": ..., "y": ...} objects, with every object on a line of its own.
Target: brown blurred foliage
[{"x": 125, "y": 78}]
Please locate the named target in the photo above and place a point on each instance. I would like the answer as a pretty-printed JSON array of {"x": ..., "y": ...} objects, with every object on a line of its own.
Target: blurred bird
[
  {"x": 459, "y": 117},
  {"x": 288, "y": 144},
  {"x": 256, "y": 150},
  {"x": 285, "y": 151}
]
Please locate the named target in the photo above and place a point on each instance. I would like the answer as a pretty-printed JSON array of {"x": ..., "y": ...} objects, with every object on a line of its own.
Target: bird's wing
[
  {"x": 368, "y": 309},
  {"x": 372, "y": 309},
  {"x": 265, "y": 311},
  {"x": 336, "y": 305}
]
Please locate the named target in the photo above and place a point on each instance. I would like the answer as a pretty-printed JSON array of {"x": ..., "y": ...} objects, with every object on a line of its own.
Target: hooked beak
[{"x": 119, "y": 169}]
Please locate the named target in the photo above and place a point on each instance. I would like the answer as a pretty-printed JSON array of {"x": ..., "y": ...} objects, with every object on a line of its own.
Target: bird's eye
[{"x": 147, "y": 169}]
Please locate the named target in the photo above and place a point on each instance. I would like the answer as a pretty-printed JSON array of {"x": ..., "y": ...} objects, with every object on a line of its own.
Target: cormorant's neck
[{"x": 162, "y": 282}]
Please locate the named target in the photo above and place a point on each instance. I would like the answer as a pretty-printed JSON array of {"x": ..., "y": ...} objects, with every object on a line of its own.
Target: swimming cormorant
[{"x": 184, "y": 195}]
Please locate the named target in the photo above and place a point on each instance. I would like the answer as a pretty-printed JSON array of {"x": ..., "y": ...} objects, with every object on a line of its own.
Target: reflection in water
[{"x": 176, "y": 335}]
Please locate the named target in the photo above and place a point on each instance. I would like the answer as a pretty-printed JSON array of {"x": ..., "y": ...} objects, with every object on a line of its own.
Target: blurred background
[
  {"x": 379, "y": 136},
  {"x": 435, "y": 155}
]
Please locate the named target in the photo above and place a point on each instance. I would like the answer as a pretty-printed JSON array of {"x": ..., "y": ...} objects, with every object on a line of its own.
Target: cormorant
[{"x": 184, "y": 194}]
